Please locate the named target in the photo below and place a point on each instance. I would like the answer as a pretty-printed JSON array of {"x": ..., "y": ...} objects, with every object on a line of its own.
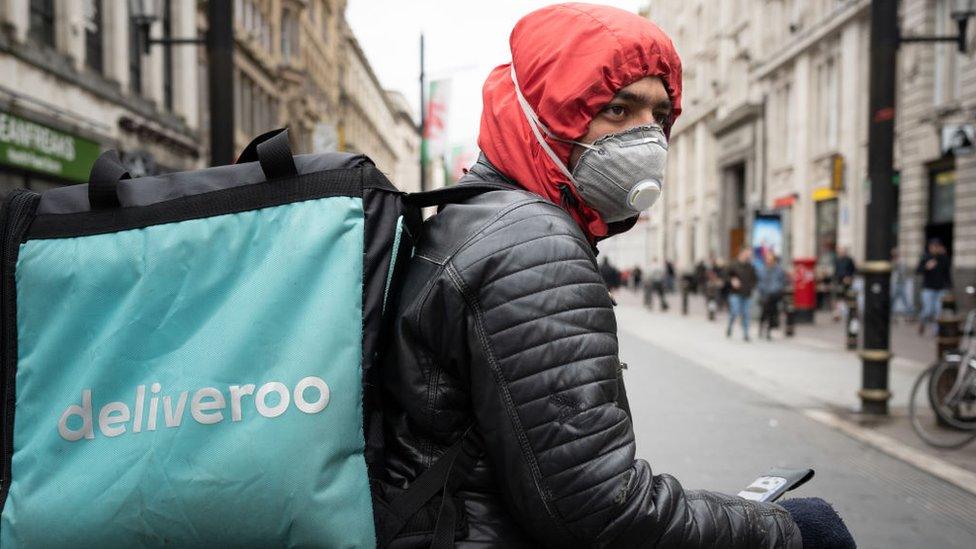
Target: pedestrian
[
  {"x": 721, "y": 275},
  {"x": 610, "y": 274},
  {"x": 638, "y": 276},
  {"x": 901, "y": 288},
  {"x": 844, "y": 271},
  {"x": 742, "y": 280},
  {"x": 772, "y": 282},
  {"x": 670, "y": 272},
  {"x": 504, "y": 351},
  {"x": 934, "y": 266},
  {"x": 656, "y": 280}
]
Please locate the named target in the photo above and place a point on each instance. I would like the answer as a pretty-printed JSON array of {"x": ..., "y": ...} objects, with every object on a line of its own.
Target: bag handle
[
  {"x": 452, "y": 194},
  {"x": 103, "y": 181},
  {"x": 273, "y": 150}
]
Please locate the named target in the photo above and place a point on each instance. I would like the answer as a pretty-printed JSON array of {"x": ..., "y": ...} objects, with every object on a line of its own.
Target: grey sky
[{"x": 465, "y": 39}]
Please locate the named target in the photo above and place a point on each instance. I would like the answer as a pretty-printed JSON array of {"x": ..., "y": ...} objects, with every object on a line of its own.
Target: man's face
[{"x": 639, "y": 104}]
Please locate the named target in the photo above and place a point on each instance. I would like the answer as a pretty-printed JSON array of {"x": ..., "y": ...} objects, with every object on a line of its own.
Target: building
[
  {"x": 937, "y": 189},
  {"x": 368, "y": 121},
  {"x": 287, "y": 70},
  {"x": 775, "y": 127},
  {"x": 75, "y": 83},
  {"x": 406, "y": 175}
]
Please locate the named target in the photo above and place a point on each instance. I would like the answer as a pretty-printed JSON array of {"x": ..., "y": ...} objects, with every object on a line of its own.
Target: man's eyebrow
[{"x": 643, "y": 99}]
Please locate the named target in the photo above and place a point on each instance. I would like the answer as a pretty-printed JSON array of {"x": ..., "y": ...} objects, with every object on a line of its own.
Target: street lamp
[
  {"x": 961, "y": 11},
  {"x": 220, "y": 58},
  {"x": 143, "y": 14}
]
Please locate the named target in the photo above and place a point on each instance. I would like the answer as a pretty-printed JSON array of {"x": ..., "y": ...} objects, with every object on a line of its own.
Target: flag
[{"x": 435, "y": 131}]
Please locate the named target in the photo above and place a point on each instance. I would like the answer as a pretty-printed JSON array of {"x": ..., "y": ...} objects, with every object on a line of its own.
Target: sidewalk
[{"x": 812, "y": 372}]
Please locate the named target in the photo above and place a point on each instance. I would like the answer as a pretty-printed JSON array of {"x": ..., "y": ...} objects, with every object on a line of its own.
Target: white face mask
[{"x": 620, "y": 174}]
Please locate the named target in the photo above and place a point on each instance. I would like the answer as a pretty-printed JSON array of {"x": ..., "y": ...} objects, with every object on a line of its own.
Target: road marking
[{"x": 946, "y": 471}]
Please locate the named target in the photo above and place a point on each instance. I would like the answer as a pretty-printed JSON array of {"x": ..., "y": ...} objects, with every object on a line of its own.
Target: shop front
[{"x": 36, "y": 156}]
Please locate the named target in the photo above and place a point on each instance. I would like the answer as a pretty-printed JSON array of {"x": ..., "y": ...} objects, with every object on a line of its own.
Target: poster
[{"x": 767, "y": 236}]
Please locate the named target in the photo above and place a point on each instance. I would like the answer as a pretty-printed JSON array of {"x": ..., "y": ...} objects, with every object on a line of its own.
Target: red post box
[{"x": 804, "y": 288}]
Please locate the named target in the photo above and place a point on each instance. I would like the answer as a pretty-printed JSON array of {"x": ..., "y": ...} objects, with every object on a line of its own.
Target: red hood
[{"x": 570, "y": 60}]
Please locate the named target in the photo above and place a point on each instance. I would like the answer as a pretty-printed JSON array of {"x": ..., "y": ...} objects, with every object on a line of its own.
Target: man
[
  {"x": 505, "y": 338},
  {"x": 901, "y": 287},
  {"x": 772, "y": 282},
  {"x": 844, "y": 271},
  {"x": 936, "y": 279},
  {"x": 742, "y": 280}
]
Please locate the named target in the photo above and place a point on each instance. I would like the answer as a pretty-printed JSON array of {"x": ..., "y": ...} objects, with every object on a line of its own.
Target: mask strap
[{"x": 535, "y": 124}]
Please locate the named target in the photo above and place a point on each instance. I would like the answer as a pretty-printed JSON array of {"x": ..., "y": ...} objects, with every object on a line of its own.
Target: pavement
[{"x": 717, "y": 412}]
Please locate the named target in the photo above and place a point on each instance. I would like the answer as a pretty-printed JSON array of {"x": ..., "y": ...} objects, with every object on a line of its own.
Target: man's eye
[{"x": 615, "y": 111}]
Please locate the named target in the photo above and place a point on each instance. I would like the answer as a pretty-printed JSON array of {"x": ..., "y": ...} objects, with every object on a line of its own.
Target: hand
[
  {"x": 736, "y": 283},
  {"x": 930, "y": 264},
  {"x": 820, "y": 525}
]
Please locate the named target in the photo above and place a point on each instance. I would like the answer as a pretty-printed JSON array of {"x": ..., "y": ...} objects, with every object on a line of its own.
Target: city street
[{"x": 719, "y": 412}]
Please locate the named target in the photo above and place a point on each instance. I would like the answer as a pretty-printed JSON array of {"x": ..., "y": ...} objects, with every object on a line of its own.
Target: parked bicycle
[{"x": 951, "y": 391}]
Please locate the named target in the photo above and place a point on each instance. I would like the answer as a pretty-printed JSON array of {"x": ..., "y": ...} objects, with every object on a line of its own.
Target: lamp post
[
  {"x": 219, "y": 41},
  {"x": 886, "y": 38},
  {"x": 961, "y": 11}
]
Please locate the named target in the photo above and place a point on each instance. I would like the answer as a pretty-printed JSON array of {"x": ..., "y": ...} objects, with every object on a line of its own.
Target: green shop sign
[{"x": 34, "y": 147}]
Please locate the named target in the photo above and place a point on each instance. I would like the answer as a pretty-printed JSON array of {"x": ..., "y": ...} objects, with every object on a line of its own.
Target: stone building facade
[
  {"x": 74, "y": 83},
  {"x": 775, "y": 125}
]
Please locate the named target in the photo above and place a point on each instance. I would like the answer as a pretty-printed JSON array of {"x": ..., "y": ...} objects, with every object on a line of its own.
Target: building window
[
  {"x": 942, "y": 195},
  {"x": 947, "y": 57},
  {"x": 289, "y": 36},
  {"x": 135, "y": 59},
  {"x": 93, "y": 35},
  {"x": 42, "y": 22},
  {"x": 168, "y": 56}
]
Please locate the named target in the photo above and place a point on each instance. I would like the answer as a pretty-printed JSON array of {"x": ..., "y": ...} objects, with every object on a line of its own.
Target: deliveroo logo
[{"x": 206, "y": 407}]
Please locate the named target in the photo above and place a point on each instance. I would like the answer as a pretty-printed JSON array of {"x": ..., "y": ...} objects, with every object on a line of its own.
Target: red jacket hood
[{"x": 570, "y": 60}]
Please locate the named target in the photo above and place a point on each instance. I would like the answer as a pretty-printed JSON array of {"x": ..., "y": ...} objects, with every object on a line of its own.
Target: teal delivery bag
[{"x": 188, "y": 358}]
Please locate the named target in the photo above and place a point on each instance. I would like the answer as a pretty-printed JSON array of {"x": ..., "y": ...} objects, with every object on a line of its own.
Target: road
[{"x": 713, "y": 433}]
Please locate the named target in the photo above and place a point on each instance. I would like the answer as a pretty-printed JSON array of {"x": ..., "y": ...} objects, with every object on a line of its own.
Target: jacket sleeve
[{"x": 544, "y": 385}]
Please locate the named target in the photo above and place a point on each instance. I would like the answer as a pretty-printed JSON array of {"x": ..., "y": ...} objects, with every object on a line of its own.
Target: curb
[{"x": 957, "y": 476}]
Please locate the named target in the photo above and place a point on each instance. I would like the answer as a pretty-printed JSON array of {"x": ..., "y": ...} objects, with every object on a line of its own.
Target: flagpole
[{"x": 423, "y": 120}]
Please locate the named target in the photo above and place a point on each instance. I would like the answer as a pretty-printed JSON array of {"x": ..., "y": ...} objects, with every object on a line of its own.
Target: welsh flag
[{"x": 434, "y": 144}]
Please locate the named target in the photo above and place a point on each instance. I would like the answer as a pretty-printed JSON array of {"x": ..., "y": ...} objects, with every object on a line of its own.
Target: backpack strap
[
  {"x": 453, "y": 194},
  {"x": 440, "y": 477},
  {"x": 273, "y": 150}
]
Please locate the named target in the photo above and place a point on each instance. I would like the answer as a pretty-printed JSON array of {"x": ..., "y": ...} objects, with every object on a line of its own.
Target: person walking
[
  {"x": 742, "y": 280},
  {"x": 772, "y": 282},
  {"x": 901, "y": 288},
  {"x": 504, "y": 372},
  {"x": 843, "y": 279},
  {"x": 934, "y": 266}
]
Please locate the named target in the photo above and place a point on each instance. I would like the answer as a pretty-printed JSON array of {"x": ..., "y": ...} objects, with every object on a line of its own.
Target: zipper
[{"x": 18, "y": 212}]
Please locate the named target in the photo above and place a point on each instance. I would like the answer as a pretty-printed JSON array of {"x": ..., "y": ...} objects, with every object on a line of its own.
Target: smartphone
[{"x": 775, "y": 483}]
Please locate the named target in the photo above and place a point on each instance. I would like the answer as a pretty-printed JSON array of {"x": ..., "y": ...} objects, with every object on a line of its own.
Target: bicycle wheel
[
  {"x": 953, "y": 405},
  {"x": 948, "y": 442}
]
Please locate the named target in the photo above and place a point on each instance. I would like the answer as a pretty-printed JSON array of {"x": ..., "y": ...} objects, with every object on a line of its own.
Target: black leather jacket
[{"x": 504, "y": 323}]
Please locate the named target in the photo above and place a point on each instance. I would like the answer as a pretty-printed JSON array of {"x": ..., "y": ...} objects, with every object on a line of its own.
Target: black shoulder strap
[
  {"x": 273, "y": 151},
  {"x": 452, "y": 194},
  {"x": 103, "y": 181},
  {"x": 439, "y": 478}
]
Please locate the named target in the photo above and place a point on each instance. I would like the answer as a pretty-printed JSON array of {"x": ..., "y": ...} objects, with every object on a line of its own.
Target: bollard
[
  {"x": 790, "y": 313},
  {"x": 853, "y": 322}
]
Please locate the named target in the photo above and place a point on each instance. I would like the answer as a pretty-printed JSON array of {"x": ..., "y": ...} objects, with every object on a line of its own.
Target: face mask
[{"x": 620, "y": 174}]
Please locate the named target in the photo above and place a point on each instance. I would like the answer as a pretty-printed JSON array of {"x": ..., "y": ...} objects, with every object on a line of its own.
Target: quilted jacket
[{"x": 504, "y": 324}]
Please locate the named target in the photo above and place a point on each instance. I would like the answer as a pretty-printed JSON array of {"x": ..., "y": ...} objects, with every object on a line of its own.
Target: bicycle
[{"x": 951, "y": 391}]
